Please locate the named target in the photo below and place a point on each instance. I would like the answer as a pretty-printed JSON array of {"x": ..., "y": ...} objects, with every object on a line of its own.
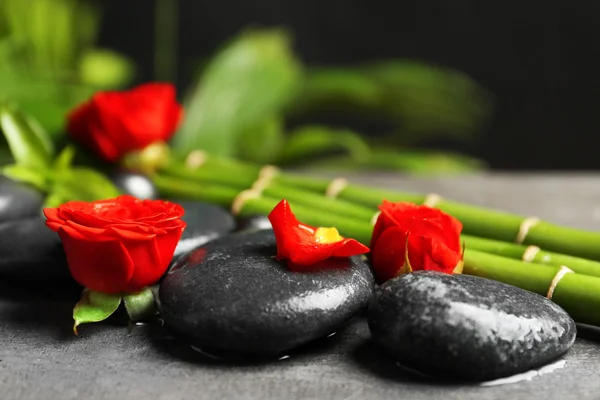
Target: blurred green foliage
[
  {"x": 35, "y": 162},
  {"x": 249, "y": 96},
  {"x": 249, "y": 80},
  {"x": 255, "y": 85},
  {"x": 48, "y": 59}
]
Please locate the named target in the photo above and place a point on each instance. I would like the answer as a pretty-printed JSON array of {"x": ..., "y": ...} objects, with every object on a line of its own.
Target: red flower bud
[
  {"x": 113, "y": 123},
  {"x": 408, "y": 237},
  {"x": 304, "y": 245}
]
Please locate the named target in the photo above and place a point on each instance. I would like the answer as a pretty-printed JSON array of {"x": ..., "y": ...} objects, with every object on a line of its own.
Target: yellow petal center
[{"x": 327, "y": 235}]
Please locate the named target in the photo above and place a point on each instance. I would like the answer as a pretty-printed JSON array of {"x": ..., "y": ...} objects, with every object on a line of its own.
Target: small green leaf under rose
[
  {"x": 140, "y": 306},
  {"x": 94, "y": 307}
]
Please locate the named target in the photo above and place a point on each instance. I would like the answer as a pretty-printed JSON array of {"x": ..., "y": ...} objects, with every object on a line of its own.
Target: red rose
[
  {"x": 304, "y": 245},
  {"x": 432, "y": 236},
  {"x": 112, "y": 123},
  {"x": 117, "y": 245}
]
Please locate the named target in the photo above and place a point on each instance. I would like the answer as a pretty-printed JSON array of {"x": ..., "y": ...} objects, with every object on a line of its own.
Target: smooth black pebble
[
  {"x": 30, "y": 251},
  {"x": 18, "y": 200},
  {"x": 205, "y": 222},
  {"x": 134, "y": 184},
  {"x": 232, "y": 297},
  {"x": 253, "y": 223},
  {"x": 467, "y": 327}
]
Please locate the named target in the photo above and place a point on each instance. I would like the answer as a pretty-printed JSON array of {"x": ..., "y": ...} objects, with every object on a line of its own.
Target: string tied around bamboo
[
  {"x": 265, "y": 177},
  {"x": 524, "y": 228},
  {"x": 432, "y": 199},
  {"x": 557, "y": 278},
  {"x": 530, "y": 253},
  {"x": 196, "y": 159},
  {"x": 335, "y": 187}
]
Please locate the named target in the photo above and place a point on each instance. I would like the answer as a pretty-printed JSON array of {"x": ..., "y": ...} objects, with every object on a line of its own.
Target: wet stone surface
[
  {"x": 253, "y": 223},
  {"x": 30, "y": 251},
  {"x": 232, "y": 297},
  {"x": 205, "y": 222},
  {"x": 134, "y": 184},
  {"x": 18, "y": 200},
  {"x": 467, "y": 327}
]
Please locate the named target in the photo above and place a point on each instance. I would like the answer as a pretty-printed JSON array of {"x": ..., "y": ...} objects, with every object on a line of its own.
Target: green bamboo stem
[
  {"x": 516, "y": 251},
  {"x": 213, "y": 173},
  {"x": 310, "y": 199},
  {"x": 244, "y": 179},
  {"x": 183, "y": 189},
  {"x": 477, "y": 221},
  {"x": 578, "y": 294}
]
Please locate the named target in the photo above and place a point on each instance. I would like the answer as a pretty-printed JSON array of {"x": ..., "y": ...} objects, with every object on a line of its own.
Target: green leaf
[
  {"x": 82, "y": 184},
  {"x": 63, "y": 161},
  {"x": 94, "y": 307},
  {"x": 28, "y": 143},
  {"x": 262, "y": 142},
  {"x": 25, "y": 174},
  {"x": 426, "y": 99},
  {"x": 309, "y": 142},
  {"x": 336, "y": 88},
  {"x": 140, "y": 306},
  {"x": 250, "y": 79}
]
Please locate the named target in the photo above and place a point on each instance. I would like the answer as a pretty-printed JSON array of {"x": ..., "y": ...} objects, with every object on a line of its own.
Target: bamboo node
[
  {"x": 375, "y": 217},
  {"x": 265, "y": 176},
  {"x": 530, "y": 253},
  {"x": 241, "y": 198},
  {"x": 432, "y": 199},
  {"x": 524, "y": 228},
  {"x": 559, "y": 275},
  {"x": 195, "y": 159},
  {"x": 335, "y": 187}
]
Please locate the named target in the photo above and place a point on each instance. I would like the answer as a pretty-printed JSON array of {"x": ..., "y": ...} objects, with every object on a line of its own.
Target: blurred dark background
[{"x": 539, "y": 59}]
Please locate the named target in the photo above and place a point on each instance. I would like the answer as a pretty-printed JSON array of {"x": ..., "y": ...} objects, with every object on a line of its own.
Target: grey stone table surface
[{"x": 41, "y": 359}]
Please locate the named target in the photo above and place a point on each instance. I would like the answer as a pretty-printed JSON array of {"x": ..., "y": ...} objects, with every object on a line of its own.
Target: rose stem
[
  {"x": 578, "y": 294},
  {"x": 477, "y": 221}
]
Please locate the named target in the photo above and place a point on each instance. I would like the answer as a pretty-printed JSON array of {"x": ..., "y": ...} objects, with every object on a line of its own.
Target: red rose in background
[
  {"x": 304, "y": 245},
  {"x": 117, "y": 245},
  {"x": 432, "y": 237},
  {"x": 113, "y": 123}
]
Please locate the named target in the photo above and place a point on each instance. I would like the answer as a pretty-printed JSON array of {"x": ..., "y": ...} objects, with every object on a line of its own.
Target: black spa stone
[
  {"x": 232, "y": 297},
  {"x": 253, "y": 223},
  {"x": 205, "y": 222},
  {"x": 18, "y": 200},
  {"x": 134, "y": 184},
  {"x": 467, "y": 327},
  {"x": 30, "y": 251}
]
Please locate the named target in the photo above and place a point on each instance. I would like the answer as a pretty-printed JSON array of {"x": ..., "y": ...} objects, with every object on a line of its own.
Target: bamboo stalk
[
  {"x": 228, "y": 172},
  {"x": 477, "y": 221},
  {"x": 578, "y": 294},
  {"x": 539, "y": 256},
  {"x": 211, "y": 193}
]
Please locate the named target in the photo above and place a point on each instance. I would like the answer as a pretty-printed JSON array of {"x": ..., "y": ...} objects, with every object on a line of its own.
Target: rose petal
[
  {"x": 100, "y": 266},
  {"x": 387, "y": 254}
]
